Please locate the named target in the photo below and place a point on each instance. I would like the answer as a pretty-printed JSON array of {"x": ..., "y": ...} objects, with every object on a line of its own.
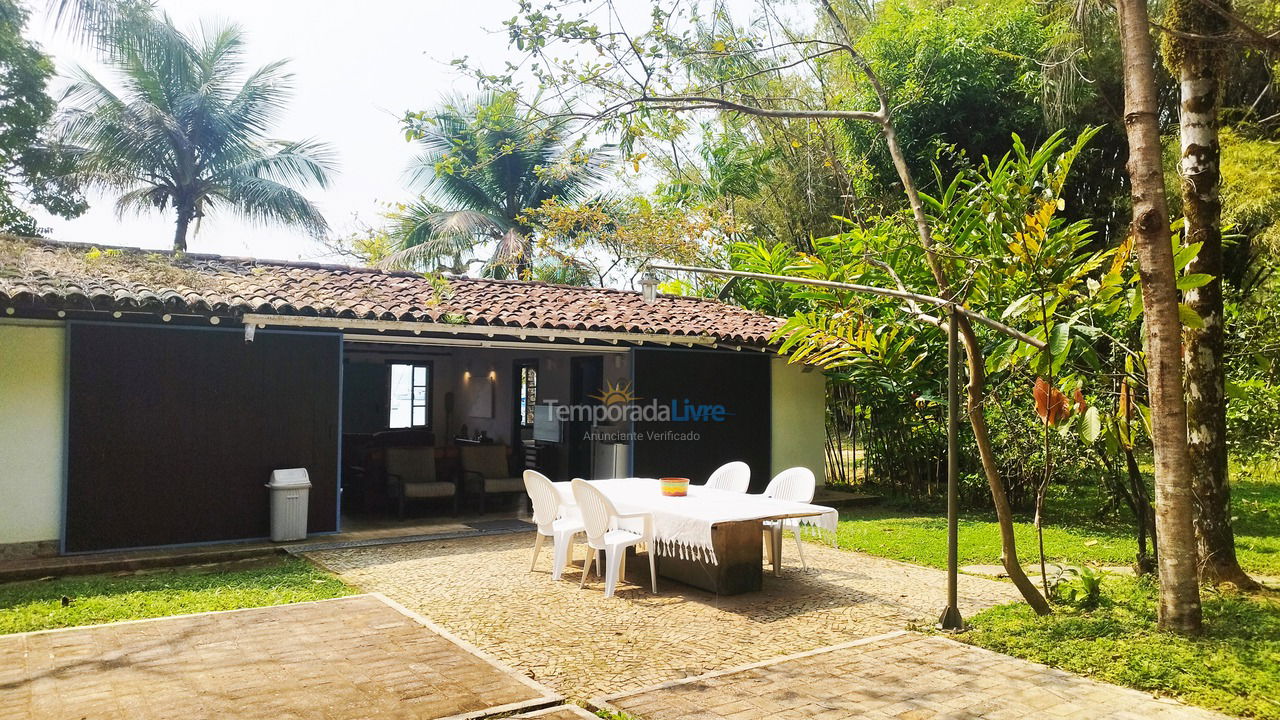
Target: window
[
  {"x": 410, "y": 404},
  {"x": 526, "y": 393}
]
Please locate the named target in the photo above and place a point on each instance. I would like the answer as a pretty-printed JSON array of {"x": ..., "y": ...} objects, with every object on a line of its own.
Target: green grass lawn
[
  {"x": 1234, "y": 667},
  {"x": 37, "y": 605},
  {"x": 1072, "y": 534}
]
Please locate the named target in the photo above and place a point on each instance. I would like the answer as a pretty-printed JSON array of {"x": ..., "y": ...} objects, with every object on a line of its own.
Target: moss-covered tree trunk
[
  {"x": 1180, "y": 609},
  {"x": 1198, "y": 65}
]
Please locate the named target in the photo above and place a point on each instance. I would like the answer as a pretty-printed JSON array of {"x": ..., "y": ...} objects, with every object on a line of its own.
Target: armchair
[
  {"x": 411, "y": 475},
  {"x": 489, "y": 465}
]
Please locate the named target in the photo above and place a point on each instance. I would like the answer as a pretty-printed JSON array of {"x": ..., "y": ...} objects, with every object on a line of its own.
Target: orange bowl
[{"x": 674, "y": 487}]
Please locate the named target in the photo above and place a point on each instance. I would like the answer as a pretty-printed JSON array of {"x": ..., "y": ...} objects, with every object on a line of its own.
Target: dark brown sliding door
[
  {"x": 172, "y": 432},
  {"x": 719, "y": 398}
]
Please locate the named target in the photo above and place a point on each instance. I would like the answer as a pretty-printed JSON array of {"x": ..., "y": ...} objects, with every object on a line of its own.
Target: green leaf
[
  {"x": 1135, "y": 304},
  {"x": 1017, "y": 307},
  {"x": 1111, "y": 439},
  {"x": 1091, "y": 426},
  {"x": 1192, "y": 281},
  {"x": 1190, "y": 318},
  {"x": 1058, "y": 339},
  {"x": 1185, "y": 255}
]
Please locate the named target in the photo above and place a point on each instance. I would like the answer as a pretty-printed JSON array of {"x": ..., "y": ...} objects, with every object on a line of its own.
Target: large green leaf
[
  {"x": 1091, "y": 425},
  {"x": 1185, "y": 255},
  {"x": 1192, "y": 281},
  {"x": 1058, "y": 339},
  {"x": 1019, "y": 306},
  {"x": 1190, "y": 318}
]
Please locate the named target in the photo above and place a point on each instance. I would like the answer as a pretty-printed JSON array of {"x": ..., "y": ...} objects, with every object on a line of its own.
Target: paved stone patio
[
  {"x": 355, "y": 657},
  {"x": 900, "y": 675},
  {"x": 584, "y": 645}
]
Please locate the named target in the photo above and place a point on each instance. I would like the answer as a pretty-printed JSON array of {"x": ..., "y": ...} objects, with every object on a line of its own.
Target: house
[{"x": 145, "y": 397}]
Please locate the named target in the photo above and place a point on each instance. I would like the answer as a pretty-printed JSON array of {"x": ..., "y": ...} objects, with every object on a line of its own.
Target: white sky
[{"x": 357, "y": 65}]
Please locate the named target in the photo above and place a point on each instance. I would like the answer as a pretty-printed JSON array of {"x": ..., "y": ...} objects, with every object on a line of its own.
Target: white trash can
[{"x": 290, "y": 490}]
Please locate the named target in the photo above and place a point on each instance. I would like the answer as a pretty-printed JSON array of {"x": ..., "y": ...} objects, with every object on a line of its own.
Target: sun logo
[{"x": 616, "y": 394}]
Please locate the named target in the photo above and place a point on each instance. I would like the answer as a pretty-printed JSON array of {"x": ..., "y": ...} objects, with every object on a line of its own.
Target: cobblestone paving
[
  {"x": 907, "y": 676},
  {"x": 584, "y": 645},
  {"x": 356, "y": 657}
]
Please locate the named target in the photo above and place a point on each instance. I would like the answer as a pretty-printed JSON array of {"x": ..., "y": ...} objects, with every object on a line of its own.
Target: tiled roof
[{"x": 39, "y": 273}]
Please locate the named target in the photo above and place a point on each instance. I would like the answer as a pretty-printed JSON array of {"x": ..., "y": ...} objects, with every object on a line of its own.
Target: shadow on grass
[
  {"x": 70, "y": 601},
  {"x": 1233, "y": 667}
]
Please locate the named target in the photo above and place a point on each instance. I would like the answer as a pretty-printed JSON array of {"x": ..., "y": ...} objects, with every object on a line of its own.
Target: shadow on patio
[{"x": 583, "y": 644}]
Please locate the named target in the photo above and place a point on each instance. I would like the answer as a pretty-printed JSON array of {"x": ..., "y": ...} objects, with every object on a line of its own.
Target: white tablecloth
[{"x": 682, "y": 525}]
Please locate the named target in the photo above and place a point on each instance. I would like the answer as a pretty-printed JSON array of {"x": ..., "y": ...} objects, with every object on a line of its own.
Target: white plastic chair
[
  {"x": 604, "y": 532},
  {"x": 554, "y": 519},
  {"x": 731, "y": 477},
  {"x": 795, "y": 484}
]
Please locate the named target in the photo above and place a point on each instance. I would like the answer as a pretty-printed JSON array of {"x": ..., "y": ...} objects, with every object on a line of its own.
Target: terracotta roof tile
[{"x": 65, "y": 275}]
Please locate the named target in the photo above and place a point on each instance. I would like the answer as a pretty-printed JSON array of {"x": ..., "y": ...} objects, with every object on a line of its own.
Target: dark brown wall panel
[
  {"x": 173, "y": 432},
  {"x": 738, "y": 381}
]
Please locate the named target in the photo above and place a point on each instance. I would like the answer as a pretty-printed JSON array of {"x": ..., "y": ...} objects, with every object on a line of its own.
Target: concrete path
[
  {"x": 900, "y": 675},
  {"x": 584, "y": 645},
  {"x": 356, "y": 657}
]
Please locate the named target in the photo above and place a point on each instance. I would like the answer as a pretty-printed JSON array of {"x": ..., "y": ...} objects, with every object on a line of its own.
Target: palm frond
[
  {"x": 143, "y": 199},
  {"x": 484, "y": 156},
  {"x": 91, "y": 20},
  {"x": 187, "y": 129},
  {"x": 510, "y": 253},
  {"x": 303, "y": 162},
  {"x": 272, "y": 203}
]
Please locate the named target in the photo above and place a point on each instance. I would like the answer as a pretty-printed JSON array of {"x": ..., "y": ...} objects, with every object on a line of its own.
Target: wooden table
[{"x": 737, "y": 546}]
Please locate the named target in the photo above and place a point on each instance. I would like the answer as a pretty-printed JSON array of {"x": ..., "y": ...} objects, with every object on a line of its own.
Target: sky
[{"x": 357, "y": 65}]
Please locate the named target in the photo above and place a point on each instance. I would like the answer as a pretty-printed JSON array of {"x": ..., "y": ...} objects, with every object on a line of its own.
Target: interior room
[{"x": 435, "y": 430}]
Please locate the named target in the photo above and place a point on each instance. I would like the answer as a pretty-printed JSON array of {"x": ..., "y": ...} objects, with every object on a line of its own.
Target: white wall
[
  {"x": 799, "y": 418},
  {"x": 32, "y": 406}
]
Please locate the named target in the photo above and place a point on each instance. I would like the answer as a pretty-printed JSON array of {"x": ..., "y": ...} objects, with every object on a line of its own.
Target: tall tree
[
  {"x": 484, "y": 165},
  {"x": 188, "y": 132},
  {"x": 32, "y": 169},
  {"x": 1179, "y": 585},
  {"x": 1195, "y": 51},
  {"x": 642, "y": 79}
]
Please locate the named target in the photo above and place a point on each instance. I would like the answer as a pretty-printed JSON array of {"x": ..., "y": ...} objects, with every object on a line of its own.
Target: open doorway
[
  {"x": 443, "y": 432},
  {"x": 586, "y": 378}
]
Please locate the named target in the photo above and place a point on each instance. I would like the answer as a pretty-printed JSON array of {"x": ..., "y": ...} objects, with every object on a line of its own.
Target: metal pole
[
  {"x": 868, "y": 289},
  {"x": 950, "y": 618}
]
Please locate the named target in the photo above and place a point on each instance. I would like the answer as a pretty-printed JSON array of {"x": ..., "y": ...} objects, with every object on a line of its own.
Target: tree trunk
[
  {"x": 976, "y": 387},
  {"x": 1198, "y": 64},
  {"x": 999, "y": 498},
  {"x": 1179, "y": 588},
  {"x": 1143, "y": 514},
  {"x": 180, "y": 234},
  {"x": 973, "y": 350}
]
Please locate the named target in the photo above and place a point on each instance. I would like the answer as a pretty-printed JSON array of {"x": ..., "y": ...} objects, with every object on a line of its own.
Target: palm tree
[
  {"x": 187, "y": 132},
  {"x": 484, "y": 164}
]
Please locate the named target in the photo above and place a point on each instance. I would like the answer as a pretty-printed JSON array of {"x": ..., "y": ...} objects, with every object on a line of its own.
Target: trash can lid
[{"x": 289, "y": 478}]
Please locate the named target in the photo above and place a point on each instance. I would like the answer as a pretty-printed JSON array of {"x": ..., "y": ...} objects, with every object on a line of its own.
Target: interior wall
[
  {"x": 465, "y": 373},
  {"x": 798, "y": 435},
  {"x": 471, "y": 368},
  {"x": 32, "y": 420}
]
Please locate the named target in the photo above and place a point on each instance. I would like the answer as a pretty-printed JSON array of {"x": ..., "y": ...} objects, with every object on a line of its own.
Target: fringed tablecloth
[{"x": 682, "y": 525}]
